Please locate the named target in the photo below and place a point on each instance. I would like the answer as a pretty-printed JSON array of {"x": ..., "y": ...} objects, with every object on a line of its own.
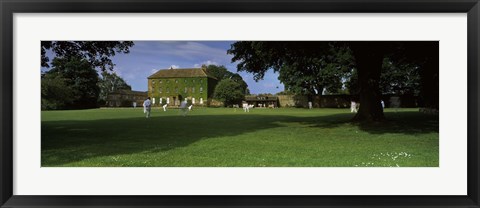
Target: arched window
[{"x": 201, "y": 89}]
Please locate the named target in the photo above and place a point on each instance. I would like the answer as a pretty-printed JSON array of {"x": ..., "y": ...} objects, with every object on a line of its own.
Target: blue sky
[{"x": 146, "y": 57}]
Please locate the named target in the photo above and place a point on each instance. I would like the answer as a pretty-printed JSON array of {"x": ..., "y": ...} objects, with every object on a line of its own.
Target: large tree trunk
[
  {"x": 369, "y": 60},
  {"x": 429, "y": 75}
]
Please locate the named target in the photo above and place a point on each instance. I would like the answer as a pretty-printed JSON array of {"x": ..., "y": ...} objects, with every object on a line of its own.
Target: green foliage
[
  {"x": 399, "y": 78},
  {"x": 97, "y": 53},
  {"x": 219, "y": 72},
  {"x": 305, "y": 68},
  {"x": 110, "y": 82},
  {"x": 229, "y": 92},
  {"x": 80, "y": 77},
  {"x": 55, "y": 92}
]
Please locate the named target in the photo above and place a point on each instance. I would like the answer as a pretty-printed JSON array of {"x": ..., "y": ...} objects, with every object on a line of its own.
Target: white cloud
[
  {"x": 208, "y": 62},
  {"x": 154, "y": 70}
]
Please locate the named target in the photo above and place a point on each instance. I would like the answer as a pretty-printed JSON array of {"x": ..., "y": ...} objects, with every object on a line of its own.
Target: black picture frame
[{"x": 10, "y": 7}]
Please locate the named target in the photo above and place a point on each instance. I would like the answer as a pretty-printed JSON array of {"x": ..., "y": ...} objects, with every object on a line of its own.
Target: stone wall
[{"x": 343, "y": 101}]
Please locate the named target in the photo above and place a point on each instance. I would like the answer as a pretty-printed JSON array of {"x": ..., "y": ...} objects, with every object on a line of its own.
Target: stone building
[
  {"x": 262, "y": 101},
  {"x": 171, "y": 86},
  {"x": 126, "y": 98}
]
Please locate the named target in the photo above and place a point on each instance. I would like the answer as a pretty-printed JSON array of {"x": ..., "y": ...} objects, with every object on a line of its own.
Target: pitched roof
[{"x": 186, "y": 72}]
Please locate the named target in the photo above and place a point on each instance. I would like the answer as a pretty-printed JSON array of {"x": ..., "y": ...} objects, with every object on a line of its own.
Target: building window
[
  {"x": 201, "y": 81},
  {"x": 186, "y": 89},
  {"x": 168, "y": 81},
  {"x": 153, "y": 82},
  {"x": 161, "y": 81},
  {"x": 193, "y": 89},
  {"x": 193, "y": 100},
  {"x": 176, "y": 90},
  {"x": 160, "y": 90},
  {"x": 176, "y": 81},
  {"x": 168, "y": 90},
  {"x": 193, "y": 80},
  {"x": 185, "y": 80},
  {"x": 201, "y": 89}
]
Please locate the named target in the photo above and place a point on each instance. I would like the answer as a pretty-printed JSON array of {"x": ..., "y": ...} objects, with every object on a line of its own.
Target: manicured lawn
[{"x": 220, "y": 137}]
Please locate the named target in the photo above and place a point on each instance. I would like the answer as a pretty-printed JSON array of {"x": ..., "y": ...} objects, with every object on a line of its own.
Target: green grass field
[{"x": 222, "y": 137}]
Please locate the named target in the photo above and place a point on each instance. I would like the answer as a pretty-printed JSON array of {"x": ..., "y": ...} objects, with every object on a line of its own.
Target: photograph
[{"x": 239, "y": 103}]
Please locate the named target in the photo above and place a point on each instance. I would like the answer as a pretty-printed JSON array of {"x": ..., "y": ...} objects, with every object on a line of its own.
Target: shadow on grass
[
  {"x": 64, "y": 142},
  {"x": 409, "y": 123}
]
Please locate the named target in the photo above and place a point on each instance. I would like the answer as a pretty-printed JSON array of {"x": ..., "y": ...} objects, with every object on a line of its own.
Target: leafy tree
[
  {"x": 219, "y": 72},
  {"x": 424, "y": 55},
  {"x": 55, "y": 92},
  {"x": 259, "y": 56},
  {"x": 243, "y": 85},
  {"x": 97, "y": 53},
  {"x": 229, "y": 92},
  {"x": 312, "y": 75},
  {"x": 306, "y": 68},
  {"x": 399, "y": 78},
  {"x": 81, "y": 77},
  {"x": 110, "y": 82}
]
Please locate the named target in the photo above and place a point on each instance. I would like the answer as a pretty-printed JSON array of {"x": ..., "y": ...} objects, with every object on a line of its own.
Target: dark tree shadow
[
  {"x": 73, "y": 140},
  {"x": 408, "y": 123}
]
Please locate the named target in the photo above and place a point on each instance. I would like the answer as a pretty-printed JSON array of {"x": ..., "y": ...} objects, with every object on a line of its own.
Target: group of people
[{"x": 147, "y": 107}]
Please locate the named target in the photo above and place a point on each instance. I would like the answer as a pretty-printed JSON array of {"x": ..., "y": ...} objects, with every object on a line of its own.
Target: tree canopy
[
  {"x": 97, "y": 53},
  {"x": 310, "y": 66},
  {"x": 110, "y": 82},
  {"x": 229, "y": 92},
  {"x": 79, "y": 77},
  {"x": 56, "y": 93},
  {"x": 221, "y": 73}
]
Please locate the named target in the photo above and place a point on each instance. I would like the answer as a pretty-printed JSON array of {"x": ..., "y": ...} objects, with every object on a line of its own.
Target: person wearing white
[
  {"x": 246, "y": 107},
  {"x": 183, "y": 107},
  {"x": 165, "y": 107},
  {"x": 353, "y": 107},
  {"x": 147, "y": 107},
  {"x": 190, "y": 107}
]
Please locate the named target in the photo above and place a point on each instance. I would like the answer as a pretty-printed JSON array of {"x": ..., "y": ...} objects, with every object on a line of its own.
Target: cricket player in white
[{"x": 147, "y": 107}]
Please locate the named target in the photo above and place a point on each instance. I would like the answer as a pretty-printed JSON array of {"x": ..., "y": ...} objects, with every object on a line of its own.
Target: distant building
[
  {"x": 172, "y": 86},
  {"x": 125, "y": 98},
  {"x": 262, "y": 101}
]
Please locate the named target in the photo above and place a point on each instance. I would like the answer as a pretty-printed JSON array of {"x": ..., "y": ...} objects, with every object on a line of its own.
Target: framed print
[{"x": 239, "y": 104}]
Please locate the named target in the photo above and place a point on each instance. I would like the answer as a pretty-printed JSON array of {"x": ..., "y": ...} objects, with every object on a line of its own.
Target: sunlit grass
[{"x": 224, "y": 137}]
